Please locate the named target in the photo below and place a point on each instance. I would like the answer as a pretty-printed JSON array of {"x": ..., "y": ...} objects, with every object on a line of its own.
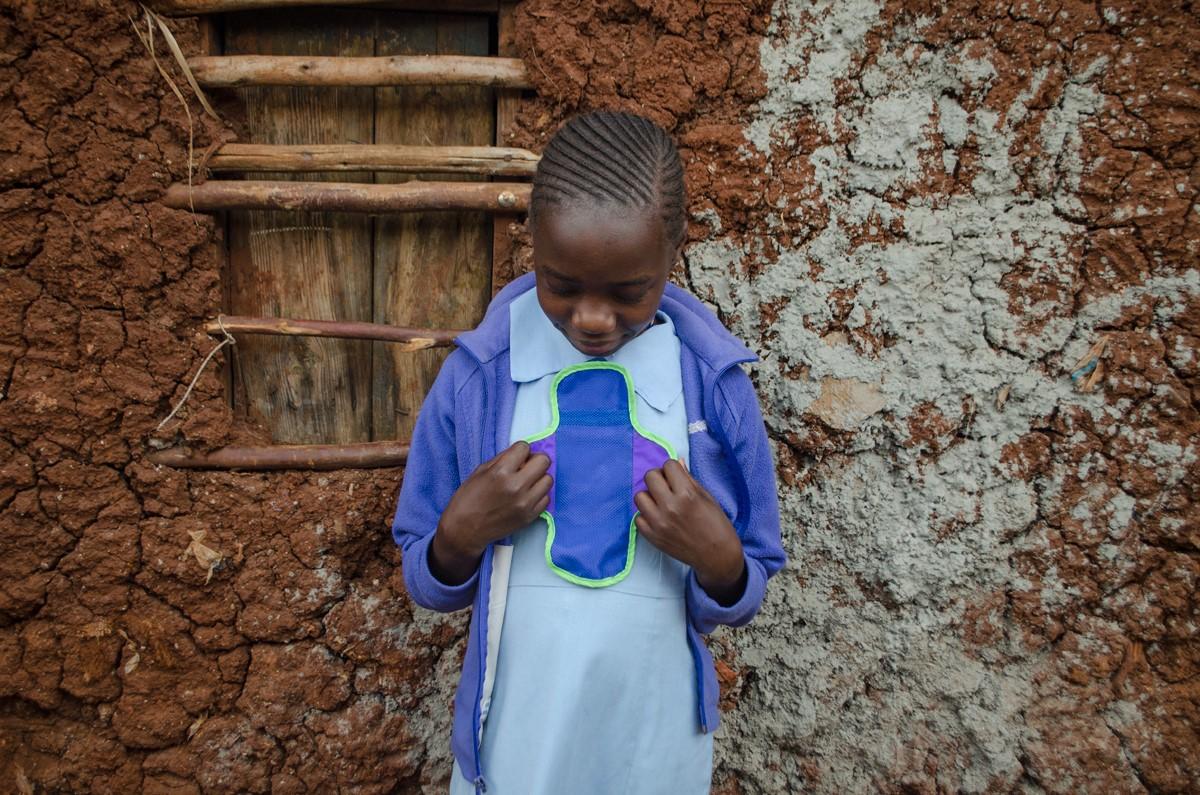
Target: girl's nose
[{"x": 594, "y": 318}]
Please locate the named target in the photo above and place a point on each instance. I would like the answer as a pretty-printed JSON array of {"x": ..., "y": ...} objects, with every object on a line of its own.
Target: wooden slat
[
  {"x": 489, "y": 160},
  {"x": 410, "y": 339},
  {"x": 303, "y": 264},
  {"x": 431, "y": 269},
  {"x": 227, "y": 71},
  {"x": 349, "y": 197},
  {"x": 363, "y": 455},
  {"x": 180, "y": 8}
]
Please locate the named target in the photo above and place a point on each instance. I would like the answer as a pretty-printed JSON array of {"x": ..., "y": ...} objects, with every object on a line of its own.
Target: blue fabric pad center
[{"x": 599, "y": 459}]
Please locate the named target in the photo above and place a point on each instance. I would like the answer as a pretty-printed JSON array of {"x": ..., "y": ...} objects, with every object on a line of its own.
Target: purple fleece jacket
[{"x": 465, "y": 421}]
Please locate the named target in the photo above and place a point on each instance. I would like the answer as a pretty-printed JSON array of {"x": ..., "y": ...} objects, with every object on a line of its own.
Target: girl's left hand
[{"x": 681, "y": 518}]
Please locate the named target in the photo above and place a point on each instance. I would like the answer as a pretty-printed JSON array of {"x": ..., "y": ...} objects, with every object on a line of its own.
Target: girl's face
[{"x": 600, "y": 274}]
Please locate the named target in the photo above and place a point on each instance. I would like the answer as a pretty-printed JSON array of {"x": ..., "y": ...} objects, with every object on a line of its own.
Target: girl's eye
[
  {"x": 631, "y": 298},
  {"x": 561, "y": 288}
]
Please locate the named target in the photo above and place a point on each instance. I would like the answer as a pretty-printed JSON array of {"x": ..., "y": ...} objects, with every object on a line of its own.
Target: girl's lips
[{"x": 595, "y": 348}]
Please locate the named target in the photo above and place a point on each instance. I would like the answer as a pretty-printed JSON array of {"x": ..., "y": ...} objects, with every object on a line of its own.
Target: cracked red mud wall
[{"x": 300, "y": 665}]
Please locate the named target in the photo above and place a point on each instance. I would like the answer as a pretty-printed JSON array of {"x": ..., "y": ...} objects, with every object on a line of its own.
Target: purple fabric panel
[
  {"x": 647, "y": 455},
  {"x": 548, "y": 447}
]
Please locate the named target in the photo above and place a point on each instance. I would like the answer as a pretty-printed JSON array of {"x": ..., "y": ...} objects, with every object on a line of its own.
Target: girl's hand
[
  {"x": 682, "y": 519},
  {"x": 500, "y": 496}
]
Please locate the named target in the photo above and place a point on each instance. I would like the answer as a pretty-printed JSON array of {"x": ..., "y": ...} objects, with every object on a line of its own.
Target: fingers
[
  {"x": 520, "y": 475},
  {"x": 536, "y": 498},
  {"x": 532, "y": 471},
  {"x": 537, "y": 465},
  {"x": 646, "y": 505},
  {"x": 517, "y": 457},
  {"x": 646, "y": 530},
  {"x": 669, "y": 492},
  {"x": 676, "y": 476},
  {"x": 533, "y": 484},
  {"x": 509, "y": 458},
  {"x": 513, "y": 456},
  {"x": 657, "y": 484}
]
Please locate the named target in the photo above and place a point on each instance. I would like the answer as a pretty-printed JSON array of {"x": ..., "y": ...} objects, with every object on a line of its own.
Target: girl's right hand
[{"x": 501, "y": 495}]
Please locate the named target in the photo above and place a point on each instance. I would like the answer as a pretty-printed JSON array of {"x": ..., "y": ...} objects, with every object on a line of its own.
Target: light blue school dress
[{"x": 595, "y": 688}]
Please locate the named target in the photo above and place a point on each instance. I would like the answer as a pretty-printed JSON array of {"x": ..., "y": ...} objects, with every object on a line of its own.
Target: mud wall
[{"x": 921, "y": 215}]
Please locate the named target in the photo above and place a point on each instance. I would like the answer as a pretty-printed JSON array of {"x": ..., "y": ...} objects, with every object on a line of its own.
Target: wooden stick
[
  {"x": 363, "y": 455},
  {"x": 226, "y": 71},
  {"x": 411, "y": 339},
  {"x": 352, "y": 197},
  {"x": 490, "y": 160},
  {"x": 188, "y": 7}
]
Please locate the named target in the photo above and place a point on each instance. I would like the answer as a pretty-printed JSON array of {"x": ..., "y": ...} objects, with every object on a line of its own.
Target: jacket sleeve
[
  {"x": 431, "y": 476},
  {"x": 757, "y": 519}
]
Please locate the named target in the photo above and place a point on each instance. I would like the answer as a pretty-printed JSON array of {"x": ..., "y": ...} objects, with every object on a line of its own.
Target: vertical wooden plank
[
  {"x": 507, "y": 100},
  {"x": 209, "y": 27},
  {"x": 431, "y": 269},
  {"x": 305, "y": 265}
]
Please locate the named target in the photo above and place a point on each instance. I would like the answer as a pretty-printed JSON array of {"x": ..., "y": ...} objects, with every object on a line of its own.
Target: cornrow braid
[{"x": 613, "y": 159}]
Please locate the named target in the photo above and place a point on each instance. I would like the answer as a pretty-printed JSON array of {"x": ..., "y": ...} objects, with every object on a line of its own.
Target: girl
[{"x": 590, "y": 471}]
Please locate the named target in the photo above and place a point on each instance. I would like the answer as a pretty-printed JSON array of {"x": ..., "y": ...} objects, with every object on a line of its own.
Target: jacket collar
[{"x": 695, "y": 324}]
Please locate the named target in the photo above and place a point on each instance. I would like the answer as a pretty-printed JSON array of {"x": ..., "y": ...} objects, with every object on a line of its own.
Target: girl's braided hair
[{"x": 613, "y": 159}]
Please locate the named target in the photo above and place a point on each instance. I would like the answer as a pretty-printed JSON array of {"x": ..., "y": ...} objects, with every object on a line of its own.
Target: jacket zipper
[{"x": 476, "y": 723}]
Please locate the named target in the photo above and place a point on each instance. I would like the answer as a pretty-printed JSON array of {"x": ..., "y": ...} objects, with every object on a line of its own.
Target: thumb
[{"x": 515, "y": 454}]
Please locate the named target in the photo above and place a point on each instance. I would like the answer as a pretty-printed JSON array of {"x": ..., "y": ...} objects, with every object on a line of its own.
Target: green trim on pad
[{"x": 553, "y": 427}]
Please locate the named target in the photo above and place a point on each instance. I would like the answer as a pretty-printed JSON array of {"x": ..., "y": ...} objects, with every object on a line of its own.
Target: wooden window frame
[{"x": 506, "y": 200}]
